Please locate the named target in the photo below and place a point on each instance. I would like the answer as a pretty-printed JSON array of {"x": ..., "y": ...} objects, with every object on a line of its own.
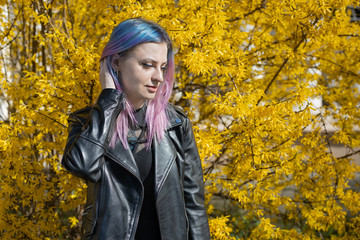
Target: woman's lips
[{"x": 151, "y": 89}]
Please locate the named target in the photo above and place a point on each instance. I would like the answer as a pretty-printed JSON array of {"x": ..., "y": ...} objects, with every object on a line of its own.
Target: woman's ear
[{"x": 115, "y": 62}]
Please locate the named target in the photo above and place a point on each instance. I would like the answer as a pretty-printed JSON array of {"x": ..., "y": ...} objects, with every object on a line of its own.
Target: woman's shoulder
[
  {"x": 178, "y": 120},
  {"x": 175, "y": 111},
  {"x": 80, "y": 116},
  {"x": 176, "y": 116}
]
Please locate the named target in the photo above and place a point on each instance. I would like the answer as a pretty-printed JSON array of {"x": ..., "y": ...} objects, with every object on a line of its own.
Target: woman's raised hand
[{"x": 105, "y": 78}]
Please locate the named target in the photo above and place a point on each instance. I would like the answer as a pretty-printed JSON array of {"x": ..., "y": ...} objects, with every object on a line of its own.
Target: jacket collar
[
  {"x": 164, "y": 156},
  {"x": 174, "y": 117}
]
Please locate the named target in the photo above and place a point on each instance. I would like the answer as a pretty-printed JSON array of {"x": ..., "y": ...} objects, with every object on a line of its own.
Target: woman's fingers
[{"x": 105, "y": 78}]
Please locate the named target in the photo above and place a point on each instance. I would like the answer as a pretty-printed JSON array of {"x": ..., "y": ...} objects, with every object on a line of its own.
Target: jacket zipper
[
  {"x": 138, "y": 210},
  {"x": 133, "y": 230},
  {"x": 112, "y": 126}
]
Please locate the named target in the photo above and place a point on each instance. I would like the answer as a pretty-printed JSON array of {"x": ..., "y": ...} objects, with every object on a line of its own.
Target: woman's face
[{"x": 142, "y": 71}]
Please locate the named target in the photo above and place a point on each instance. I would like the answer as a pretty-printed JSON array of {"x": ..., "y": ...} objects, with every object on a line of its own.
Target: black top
[{"x": 148, "y": 225}]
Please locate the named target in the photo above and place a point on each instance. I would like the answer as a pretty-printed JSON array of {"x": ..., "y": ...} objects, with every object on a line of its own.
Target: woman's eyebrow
[{"x": 153, "y": 60}]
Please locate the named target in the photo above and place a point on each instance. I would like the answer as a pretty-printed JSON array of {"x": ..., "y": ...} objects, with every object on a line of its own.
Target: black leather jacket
[{"x": 115, "y": 191}]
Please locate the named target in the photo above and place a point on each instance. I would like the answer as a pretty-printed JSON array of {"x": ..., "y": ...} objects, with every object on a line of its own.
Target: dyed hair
[{"x": 124, "y": 37}]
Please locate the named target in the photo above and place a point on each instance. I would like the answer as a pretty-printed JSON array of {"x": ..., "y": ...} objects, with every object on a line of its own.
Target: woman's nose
[{"x": 158, "y": 75}]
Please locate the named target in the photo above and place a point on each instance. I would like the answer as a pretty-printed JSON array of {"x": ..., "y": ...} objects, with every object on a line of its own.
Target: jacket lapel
[
  {"x": 164, "y": 154},
  {"x": 164, "y": 157},
  {"x": 124, "y": 157}
]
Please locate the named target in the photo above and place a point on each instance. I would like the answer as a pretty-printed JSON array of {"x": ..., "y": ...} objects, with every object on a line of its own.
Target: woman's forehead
[{"x": 154, "y": 51}]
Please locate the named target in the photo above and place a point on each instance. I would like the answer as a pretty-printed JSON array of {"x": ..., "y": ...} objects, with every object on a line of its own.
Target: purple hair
[{"x": 124, "y": 37}]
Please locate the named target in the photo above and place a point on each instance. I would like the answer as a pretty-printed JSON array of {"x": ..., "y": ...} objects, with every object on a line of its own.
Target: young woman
[{"x": 135, "y": 150}]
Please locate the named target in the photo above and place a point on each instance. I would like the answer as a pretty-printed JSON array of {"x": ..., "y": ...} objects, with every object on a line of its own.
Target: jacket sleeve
[
  {"x": 194, "y": 187},
  {"x": 89, "y": 136}
]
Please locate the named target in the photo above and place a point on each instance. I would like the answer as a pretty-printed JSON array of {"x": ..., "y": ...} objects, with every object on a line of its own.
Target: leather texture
[{"x": 115, "y": 191}]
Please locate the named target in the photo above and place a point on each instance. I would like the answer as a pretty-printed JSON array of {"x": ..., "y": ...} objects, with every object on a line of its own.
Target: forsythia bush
[{"x": 247, "y": 72}]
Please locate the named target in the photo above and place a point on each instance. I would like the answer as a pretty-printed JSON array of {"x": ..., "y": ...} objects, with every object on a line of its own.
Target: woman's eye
[
  {"x": 147, "y": 65},
  {"x": 163, "y": 68}
]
